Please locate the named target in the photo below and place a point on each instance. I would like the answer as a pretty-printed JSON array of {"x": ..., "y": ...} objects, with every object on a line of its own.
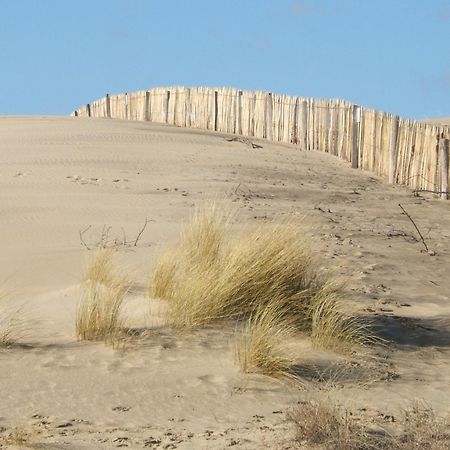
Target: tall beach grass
[
  {"x": 13, "y": 323},
  {"x": 99, "y": 314},
  {"x": 266, "y": 275}
]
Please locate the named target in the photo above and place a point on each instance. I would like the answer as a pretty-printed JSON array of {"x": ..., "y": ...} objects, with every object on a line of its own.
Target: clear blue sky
[{"x": 393, "y": 55}]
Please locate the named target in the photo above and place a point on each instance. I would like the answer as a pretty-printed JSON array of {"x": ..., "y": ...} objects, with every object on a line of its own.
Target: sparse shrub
[
  {"x": 423, "y": 429},
  {"x": 322, "y": 425},
  {"x": 19, "y": 437},
  {"x": 99, "y": 314}
]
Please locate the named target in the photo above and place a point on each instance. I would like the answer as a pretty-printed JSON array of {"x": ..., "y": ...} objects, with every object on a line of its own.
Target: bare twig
[
  {"x": 82, "y": 238},
  {"x": 108, "y": 237},
  {"x": 240, "y": 188},
  {"x": 421, "y": 176},
  {"x": 415, "y": 226},
  {"x": 140, "y": 232},
  {"x": 105, "y": 235}
]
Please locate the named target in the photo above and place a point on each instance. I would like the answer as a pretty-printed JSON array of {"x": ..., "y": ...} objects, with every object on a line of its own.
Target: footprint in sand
[
  {"x": 121, "y": 408},
  {"x": 82, "y": 180}
]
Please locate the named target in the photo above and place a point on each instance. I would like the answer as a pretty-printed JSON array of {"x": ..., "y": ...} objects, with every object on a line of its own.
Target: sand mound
[{"x": 69, "y": 184}]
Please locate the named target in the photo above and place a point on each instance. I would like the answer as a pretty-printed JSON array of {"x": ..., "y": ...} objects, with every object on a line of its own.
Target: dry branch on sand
[
  {"x": 322, "y": 425},
  {"x": 99, "y": 314},
  {"x": 106, "y": 240},
  {"x": 214, "y": 274}
]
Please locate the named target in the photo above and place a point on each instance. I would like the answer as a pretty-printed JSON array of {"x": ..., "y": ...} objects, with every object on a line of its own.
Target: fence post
[
  {"x": 108, "y": 107},
  {"x": 126, "y": 106},
  {"x": 393, "y": 150},
  {"x": 305, "y": 125},
  {"x": 443, "y": 160},
  {"x": 294, "y": 133},
  {"x": 88, "y": 108},
  {"x": 147, "y": 106},
  {"x": 216, "y": 110},
  {"x": 326, "y": 127},
  {"x": 239, "y": 115},
  {"x": 166, "y": 107},
  {"x": 188, "y": 109},
  {"x": 269, "y": 117},
  {"x": 355, "y": 135}
]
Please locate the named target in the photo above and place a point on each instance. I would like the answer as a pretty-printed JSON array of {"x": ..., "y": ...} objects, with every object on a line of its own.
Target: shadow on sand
[{"x": 412, "y": 333}]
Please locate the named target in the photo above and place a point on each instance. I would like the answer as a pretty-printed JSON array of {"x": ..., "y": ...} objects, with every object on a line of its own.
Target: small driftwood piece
[
  {"x": 244, "y": 141},
  {"x": 81, "y": 232},
  {"x": 141, "y": 231},
  {"x": 415, "y": 226}
]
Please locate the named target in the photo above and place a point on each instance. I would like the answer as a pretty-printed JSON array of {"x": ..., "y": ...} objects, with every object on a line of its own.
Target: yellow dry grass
[
  {"x": 99, "y": 314},
  {"x": 331, "y": 327},
  {"x": 214, "y": 273},
  {"x": 263, "y": 346},
  {"x": 203, "y": 237},
  {"x": 8, "y": 327},
  {"x": 164, "y": 274},
  {"x": 12, "y": 322}
]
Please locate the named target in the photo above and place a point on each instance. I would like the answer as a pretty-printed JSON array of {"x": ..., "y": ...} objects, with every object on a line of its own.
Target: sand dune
[
  {"x": 63, "y": 176},
  {"x": 439, "y": 121}
]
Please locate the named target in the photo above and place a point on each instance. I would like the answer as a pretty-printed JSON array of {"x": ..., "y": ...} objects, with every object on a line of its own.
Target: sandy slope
[{"x": 62, "y": 175}]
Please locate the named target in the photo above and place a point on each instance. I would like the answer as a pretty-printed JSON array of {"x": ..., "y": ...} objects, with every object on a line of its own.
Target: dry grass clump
[
  {"x": 203, "y": 237},
  {"x": 325, "y": 426},
  {"x": 19, "y": 437},
  {"x": 213, "y": 274},
  {"x": 263, "y": 347},
  {"x": 12, "y": 323},
  {"x": 198, "y": 251},
  {"x": 99, "y": 314},
  {"x": 332, "y": 328},
  {"x": 164, "y": 274},
  {"x": 100, "y": 267},
  {"x": 423, "y": 429},
  {"x": 8, "y": 327},
  {"x": 321, "y": 425}
]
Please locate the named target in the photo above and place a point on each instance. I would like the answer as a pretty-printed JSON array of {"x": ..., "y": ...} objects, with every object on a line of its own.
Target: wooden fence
[{"x": 403, "y": 151}]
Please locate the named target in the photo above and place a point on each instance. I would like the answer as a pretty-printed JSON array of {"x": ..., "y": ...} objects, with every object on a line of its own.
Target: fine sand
[
  {"x": 68, "y": 183},
  {"x": 439, "y": 121}
]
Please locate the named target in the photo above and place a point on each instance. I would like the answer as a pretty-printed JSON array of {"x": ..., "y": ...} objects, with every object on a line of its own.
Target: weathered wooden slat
[{"x": 402, "y": 151}]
